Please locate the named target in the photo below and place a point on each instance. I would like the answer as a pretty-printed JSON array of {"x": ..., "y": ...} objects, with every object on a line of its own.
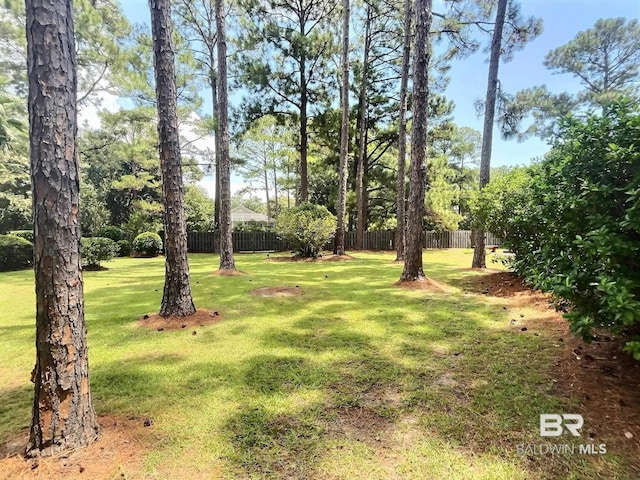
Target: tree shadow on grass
[
  {"x": 463, "y": 388},
  {"x": 269, "y": 374}
]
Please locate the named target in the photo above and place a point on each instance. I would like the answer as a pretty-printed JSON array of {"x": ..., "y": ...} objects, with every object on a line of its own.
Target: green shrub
[
  {"x": 253, "y": 226},
  {"x": 26, "y": 234},
  {"x": 15, "y": 253},
  {"x": 97, "y": 249},
  {"x": 307, "y": 227},
  {"x": 577, "y": 231},
  {"x": 147, "y": 244},
  {"x": 124, "y": 248},
  {"x": 111, "y": 231}
]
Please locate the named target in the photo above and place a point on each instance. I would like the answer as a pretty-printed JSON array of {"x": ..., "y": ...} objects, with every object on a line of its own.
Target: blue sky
[{"x": 562, "y": 20}]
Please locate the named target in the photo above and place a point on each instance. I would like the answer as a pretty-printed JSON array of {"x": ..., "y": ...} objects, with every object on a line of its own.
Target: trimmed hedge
[
  {"x": 15, "y": 253},
  {"x": 147, "y": 244},
  {"x": 307, "y": 227},
  {"x": 97, "y": 249},
  {"x": 124, "y": 248},
  {"x": 111, "y": 231}
]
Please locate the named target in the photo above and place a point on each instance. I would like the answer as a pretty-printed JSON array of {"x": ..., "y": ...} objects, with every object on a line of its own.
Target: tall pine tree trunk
[
  {"x": 362, "y": 140},
  {"x": 226, "y": 239},
  {"x": 213, "y": 79},
  {"x": 344, "y": 132},
  {"x": 477, "y": 234},
  {"x": 266, "y": 189},
  {"x": 63, "y": 416},
  {"x": 275, "y": 188},
  {"x": 303, "y": 195},
  {"x": 402, "y": 137},
  {"x": 176, "y": 298},
  {"x": 413, "y": 255}
]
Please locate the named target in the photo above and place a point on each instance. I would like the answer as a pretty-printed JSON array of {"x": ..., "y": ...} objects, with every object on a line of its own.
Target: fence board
[{"x": 206, "y": 242}]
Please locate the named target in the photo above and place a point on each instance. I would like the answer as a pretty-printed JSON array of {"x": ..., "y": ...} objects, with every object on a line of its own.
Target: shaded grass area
[{"x": 355, "y": 378}]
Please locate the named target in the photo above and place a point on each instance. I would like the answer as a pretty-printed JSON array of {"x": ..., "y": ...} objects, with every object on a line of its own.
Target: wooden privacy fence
[
  {"x": 207, "y": 242},
  {"x": 457, "y": 239}
]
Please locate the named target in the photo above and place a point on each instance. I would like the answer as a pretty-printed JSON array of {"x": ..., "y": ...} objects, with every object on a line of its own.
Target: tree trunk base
[
  {"x": 83, "y": 437},
  {"x": 479, "y": 254},
  {"x": 406, "y": 277},
  {"x": 177, "y": 311}
]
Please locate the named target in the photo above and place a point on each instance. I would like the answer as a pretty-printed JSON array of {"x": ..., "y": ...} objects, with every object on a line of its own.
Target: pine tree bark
[
  {"x": 402, "y": 137},
  {"x": 479, "y": 255},
  {"x": 344, "y": 132},
  {"x": 176, "y": 298},
  {"x": 275, "y": 189},
  {"x": 226, "y": 240},
  {"x": 216, "y": 143},
  {"x": 304, "y": 139},
  {"x": 361, "y": 220},
  {"x": 266, "y": 188},
  {"x": 413, "y": 269},
  {"x": 63, "y": 416}
]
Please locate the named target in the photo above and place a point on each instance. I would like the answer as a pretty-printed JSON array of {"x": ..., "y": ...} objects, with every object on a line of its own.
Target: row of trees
[
  {"x": 63, "y": 416},
  {"x": 122, "y": 176},
  {"x": 283, "y": 54}
]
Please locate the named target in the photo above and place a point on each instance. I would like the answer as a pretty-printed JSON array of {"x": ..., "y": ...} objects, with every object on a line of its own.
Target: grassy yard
[{"x": 355, "y": 378}]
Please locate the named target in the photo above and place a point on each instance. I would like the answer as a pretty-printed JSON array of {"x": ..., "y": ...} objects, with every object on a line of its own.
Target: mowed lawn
[{"x": 354, "y": 378}]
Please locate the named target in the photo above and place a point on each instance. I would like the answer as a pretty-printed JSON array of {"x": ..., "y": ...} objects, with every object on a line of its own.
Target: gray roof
[{"x": 242, "y": 214}]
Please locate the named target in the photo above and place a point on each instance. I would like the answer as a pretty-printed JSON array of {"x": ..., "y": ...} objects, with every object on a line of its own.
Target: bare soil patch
[
  {"x": 604, "y": 379},
  {"x": 497, "y": 284},
  {"x": 322, "y": 258},
  {"x": 279, "y": 291},
  {"x": 507, "y": 285},
  {"x": 118, "y": 453},
  {"x": 423, "y": 284},
  {"x": 482, "y": 270},
  {"x": 361, "y": 424},
  {"x": 198, "y": 319}
]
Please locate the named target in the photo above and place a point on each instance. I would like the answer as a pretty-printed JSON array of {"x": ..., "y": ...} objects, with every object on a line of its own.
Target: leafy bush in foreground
[
  {"x": 15, "y": 253},
  {"x": 307, "y": 227},
  {"x": 579, "y": 233},
  {"x": 147, "y": 244}
]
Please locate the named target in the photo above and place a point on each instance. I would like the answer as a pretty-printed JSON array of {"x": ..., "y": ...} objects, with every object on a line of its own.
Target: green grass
[{"x": 354, "y": 379}]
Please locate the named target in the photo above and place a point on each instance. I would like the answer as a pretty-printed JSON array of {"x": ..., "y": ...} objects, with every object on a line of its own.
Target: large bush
[
  {"x": 124, "y": 248},
  {"x": 26, "y": 234},
  {"x": 147, "y": 244},
  {"x": 499, "y": 207},
  {"x": 307, "y": 227},
  {"x": 578, "y": 233},
  {"x": 111, "y": 231},
  {"x": 95, "y": 250},
  {"x": 15, "y": 253}
]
